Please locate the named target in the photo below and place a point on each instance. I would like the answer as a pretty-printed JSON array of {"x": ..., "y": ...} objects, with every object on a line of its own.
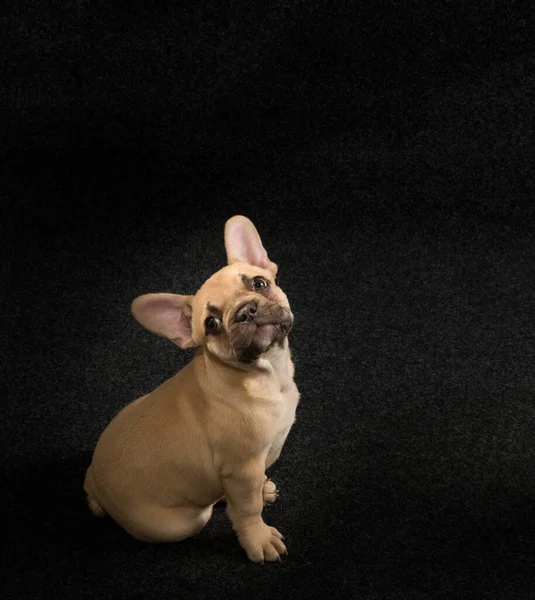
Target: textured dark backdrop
[{"x": 384, "y": 152}]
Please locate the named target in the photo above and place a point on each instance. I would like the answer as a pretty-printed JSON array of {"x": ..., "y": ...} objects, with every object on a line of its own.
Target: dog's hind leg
[
  {"x": 270, "y": 492},
  {"x": 158, "y": 524}
]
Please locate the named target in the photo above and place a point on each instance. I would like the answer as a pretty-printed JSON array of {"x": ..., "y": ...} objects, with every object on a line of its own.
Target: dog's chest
[
  {"x": 269, "y": 403},
  {"x": 275, "y": 409},
  {"x": 289, "y": 399}
]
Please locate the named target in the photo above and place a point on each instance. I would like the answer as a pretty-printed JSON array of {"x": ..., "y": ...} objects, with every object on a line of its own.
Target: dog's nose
[{"x": 246, "y": 313}]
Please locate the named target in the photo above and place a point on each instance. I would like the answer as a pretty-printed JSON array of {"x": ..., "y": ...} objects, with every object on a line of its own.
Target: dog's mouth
[{"x": 255, "y": 330}]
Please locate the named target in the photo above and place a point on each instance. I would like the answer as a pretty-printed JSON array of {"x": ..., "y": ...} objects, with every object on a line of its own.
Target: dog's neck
[
  {"x": 275, "y": 364},
  {"x": 276, "y": 360}
]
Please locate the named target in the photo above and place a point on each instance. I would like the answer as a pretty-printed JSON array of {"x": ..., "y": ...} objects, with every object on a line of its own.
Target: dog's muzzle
[
  {"x": 256, "y": 328},
  {"x": 254, "y": 314}
]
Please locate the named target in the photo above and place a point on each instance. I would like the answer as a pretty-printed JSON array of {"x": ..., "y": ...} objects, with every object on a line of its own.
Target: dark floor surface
[{"x": 385, "y": 155}]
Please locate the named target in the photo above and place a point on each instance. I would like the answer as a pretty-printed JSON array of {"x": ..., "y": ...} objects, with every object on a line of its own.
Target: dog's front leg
[{"x": 244, "y": 494}]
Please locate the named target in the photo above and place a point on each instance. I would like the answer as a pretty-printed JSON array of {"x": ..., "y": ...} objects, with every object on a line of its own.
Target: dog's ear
[
  {"x": 168, "y": 315},
  {"x": 243, "y": 244}
]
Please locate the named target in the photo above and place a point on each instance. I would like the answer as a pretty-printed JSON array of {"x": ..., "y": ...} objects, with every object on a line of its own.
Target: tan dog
[{"x": 212, "y": 430}]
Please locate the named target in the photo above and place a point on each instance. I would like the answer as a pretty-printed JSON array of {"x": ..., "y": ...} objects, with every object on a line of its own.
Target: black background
[{"x": 384, "y": 152}]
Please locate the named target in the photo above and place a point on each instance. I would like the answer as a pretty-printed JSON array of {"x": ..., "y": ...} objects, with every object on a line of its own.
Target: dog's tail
[{"x": 94, "y": 506}]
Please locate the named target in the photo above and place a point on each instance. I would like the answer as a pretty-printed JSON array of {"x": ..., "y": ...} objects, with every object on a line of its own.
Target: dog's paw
[
  {"x": 263, "y": 543},
  {"x": 270, "y": 492}
]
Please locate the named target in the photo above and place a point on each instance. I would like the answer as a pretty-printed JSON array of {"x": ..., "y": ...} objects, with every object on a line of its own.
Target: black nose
[{"x": 246, "y": 313}]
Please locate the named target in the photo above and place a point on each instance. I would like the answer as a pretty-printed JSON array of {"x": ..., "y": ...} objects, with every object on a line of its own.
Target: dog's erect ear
[
  {"x": 168, "y": 315},
  {"x": 243, "y": 244}
]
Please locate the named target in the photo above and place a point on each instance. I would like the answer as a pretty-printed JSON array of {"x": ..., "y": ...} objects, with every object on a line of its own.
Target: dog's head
[{"x": 237, "y": 315}]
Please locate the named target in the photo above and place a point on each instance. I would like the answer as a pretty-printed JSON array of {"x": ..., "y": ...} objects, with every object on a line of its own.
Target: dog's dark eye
[
  {"x": 212, "y": 324},
  {"x": 259, "y": 284}
]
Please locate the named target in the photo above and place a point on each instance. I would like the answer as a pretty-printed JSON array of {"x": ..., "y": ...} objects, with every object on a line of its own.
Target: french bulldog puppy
[{"x": 211, "y": 431}]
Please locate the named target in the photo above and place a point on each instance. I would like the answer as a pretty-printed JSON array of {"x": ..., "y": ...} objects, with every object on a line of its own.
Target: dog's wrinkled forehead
[{"x": 233, "y": 281}]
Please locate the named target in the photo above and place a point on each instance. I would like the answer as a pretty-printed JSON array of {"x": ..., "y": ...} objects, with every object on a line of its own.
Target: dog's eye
[
  {"x": 259, "y": 284},
  {"x": 212, "y": 324}
]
